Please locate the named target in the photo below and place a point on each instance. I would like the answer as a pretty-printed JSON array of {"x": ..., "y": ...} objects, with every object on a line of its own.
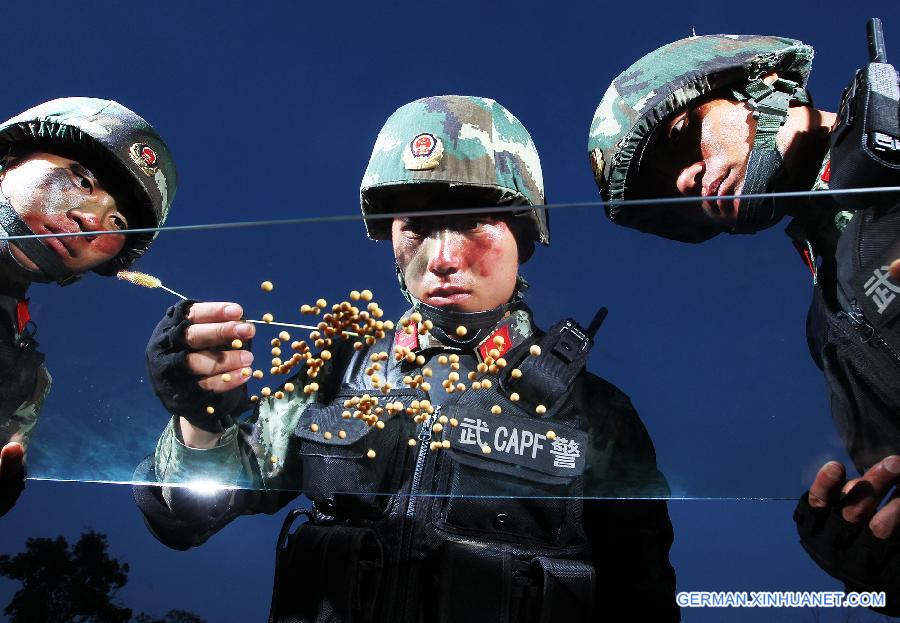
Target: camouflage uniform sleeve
[
  {"x": 630, "y": 538},
  {"x": 24, "y": 419},
  {"x": 250, "y": 460},
  {"x": 18, "y": 427}
]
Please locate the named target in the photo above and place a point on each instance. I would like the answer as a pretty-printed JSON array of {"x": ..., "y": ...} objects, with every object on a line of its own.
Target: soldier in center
[{"x": 479, "y": 510}]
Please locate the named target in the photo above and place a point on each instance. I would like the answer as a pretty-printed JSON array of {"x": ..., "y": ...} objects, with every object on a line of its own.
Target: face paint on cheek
[
  {"x": 405, "y": 254},
  {"x": 486, "y": 256},
  {"x": 54, "y": 192},
  {"x": 493, "y": 251},
  {"x": 108, "y": 245},
  {"x": 416, "y": 267},
  {"x": 44, "y": 199},
  {"x": 34, "y": 221}
]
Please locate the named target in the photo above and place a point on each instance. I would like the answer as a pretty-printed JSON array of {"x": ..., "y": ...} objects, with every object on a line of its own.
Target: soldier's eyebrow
[
  {"x": 670, "y": 121},
  {"x": 415, "y": 222},
  {"x": 80, "y": 169}
]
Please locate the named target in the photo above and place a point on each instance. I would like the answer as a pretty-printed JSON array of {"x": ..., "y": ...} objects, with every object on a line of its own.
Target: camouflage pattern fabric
[
  {"x": 20, "y": 424},
  {"x": 454, "y": 140},
  {"x": 667, "y": 80},
  {"x": 107, "y": 134}
]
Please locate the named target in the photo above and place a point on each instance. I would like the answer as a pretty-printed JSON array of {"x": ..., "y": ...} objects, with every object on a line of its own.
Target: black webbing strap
[
  {"x": 763, "y": 165},
  {"x": 882, "y": 116},
  {"x": 770, "y": 104},
  {"x": 281, "y": 564},
  {"x": 11, "y": 224}
]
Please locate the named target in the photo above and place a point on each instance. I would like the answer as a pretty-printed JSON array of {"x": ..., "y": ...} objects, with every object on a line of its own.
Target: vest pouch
[
  {"x": 475, "y": 584},
  {"x": 566, "y": 589},
  {"x": 327, "y": 574},
  {"x": 488, "y": 584},
  {"x": 526, "y": 488},
  {"x": 862, "y": 385},
  {"x": 340, "y": 468},
  {"x": 496, "y": 500}
]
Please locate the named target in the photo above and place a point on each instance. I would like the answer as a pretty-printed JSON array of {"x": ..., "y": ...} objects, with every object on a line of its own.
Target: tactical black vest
[
  {"x": 455, "y": 534},
  {"x": 854, "y": 335}
]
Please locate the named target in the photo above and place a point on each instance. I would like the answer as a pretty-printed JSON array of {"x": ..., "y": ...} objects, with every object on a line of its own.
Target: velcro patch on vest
[
  {"x": 542, "y": 445},
  {"x": 879, "y": 292}
]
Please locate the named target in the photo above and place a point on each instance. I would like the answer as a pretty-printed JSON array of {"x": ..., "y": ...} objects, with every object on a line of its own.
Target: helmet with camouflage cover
[
  {"x": 668, "y": 80},
  {"x": 461, "y": 142},
  {"x": 120, "y": 146},
  {"x": 435, "y": 146}
]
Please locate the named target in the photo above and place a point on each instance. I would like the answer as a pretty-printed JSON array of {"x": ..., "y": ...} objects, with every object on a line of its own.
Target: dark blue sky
[{"x": 271, "y": 110}]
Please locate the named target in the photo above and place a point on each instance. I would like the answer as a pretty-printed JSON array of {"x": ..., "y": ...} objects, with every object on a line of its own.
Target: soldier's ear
[{"x": 770, "y": 78}]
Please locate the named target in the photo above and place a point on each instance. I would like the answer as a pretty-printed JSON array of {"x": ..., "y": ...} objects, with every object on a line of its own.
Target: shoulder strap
[{"x": 547, "y": 378}]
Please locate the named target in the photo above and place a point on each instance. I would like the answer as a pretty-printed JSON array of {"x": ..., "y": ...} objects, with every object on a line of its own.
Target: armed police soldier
[
  {"x": 71, "y": 165},
  {"x": 407, "y": 522},
  {"x": 715, "y": 116}
]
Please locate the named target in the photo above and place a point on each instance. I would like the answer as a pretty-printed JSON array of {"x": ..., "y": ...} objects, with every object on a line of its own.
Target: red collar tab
[
  {"x": 407, "y": 340},
  {"x": 23, "y": 316},
  {"x": 826, "y": 173},
  {"x": 488, "y": 344}
]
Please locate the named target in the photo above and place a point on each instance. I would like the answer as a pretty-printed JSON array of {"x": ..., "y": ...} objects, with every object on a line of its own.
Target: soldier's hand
[
  {"x": 214, "y": 326},
  {"x": 847, "y": 535},
  {"x": 188, "y": 356},
  {"x": 862, "y": 495},
  {"x": 895, "y": 270},
  {"x": 12, "y": 475}
]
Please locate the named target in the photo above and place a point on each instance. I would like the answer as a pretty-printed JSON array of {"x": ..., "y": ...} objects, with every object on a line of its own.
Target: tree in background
[
  {"x": 78, "y": 584},
  {"x": 172, "y": 616}
]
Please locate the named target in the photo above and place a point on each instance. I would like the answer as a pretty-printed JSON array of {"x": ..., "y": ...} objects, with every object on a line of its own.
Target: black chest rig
[
  {"x": 853, "y": 325},
  {"x": 487, "y": 529},
  {"x": 860, "y": 336}
]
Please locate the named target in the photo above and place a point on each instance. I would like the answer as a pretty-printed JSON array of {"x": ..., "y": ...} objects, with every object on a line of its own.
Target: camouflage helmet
[
  {"x": 104, "y": 135},
  {"x": 455, "y": 141},
  {"x": 666, "y": 81}
]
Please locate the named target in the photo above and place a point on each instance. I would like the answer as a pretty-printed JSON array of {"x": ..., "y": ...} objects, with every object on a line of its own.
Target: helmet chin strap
[
  {"x": 765, "y": 165},
  {"x": 50, "y": 265},
  {"x": 764, "y": 168},
  {"x": 479, "y": 324}
]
